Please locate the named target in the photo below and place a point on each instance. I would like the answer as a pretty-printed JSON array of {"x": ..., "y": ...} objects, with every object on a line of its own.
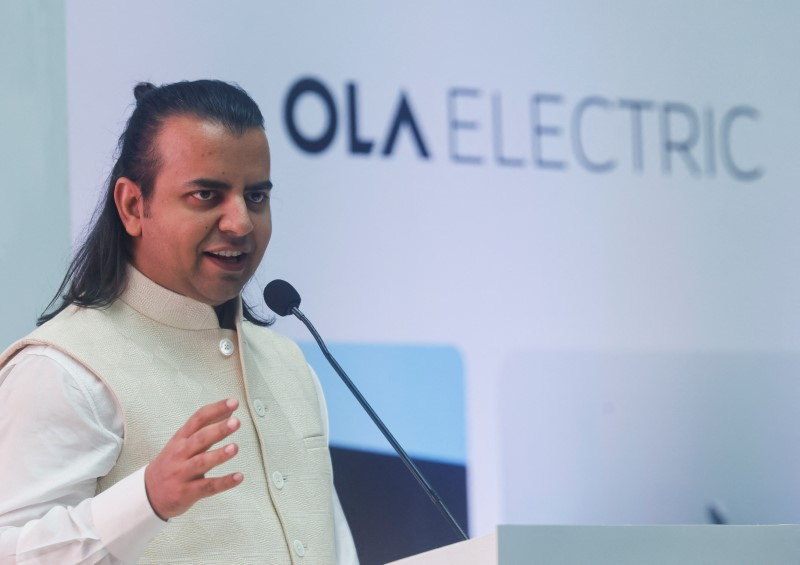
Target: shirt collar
[{"x": 167, "y": 307}]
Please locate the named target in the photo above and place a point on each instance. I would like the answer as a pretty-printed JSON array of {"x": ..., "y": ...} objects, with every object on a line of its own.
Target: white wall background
[{"x": 498, "y": 261}]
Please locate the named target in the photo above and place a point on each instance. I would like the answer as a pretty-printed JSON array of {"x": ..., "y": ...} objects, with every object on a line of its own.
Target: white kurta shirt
[{"x": 60, "y": 429}]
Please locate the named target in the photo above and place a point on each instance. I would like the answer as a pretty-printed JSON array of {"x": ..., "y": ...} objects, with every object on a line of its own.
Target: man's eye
[
  {"x": 257, "y": 197},
  {"x": 203, "y": 195}
]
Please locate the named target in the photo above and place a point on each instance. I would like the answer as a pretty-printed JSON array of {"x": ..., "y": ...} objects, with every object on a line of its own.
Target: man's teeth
[{"x": 226, "y": 253}]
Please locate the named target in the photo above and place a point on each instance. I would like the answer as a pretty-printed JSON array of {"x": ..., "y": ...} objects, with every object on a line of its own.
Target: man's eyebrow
[
  {"x": 209, "y": 183},
  {"x": 265, "y": 185},
  {"x": 213, "y": 184}
]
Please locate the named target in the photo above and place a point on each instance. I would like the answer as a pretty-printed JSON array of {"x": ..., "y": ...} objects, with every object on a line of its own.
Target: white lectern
[{"x": 622, "y": 545}]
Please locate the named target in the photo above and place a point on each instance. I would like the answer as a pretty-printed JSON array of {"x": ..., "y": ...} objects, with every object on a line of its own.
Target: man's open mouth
[{"x": 232, "y": 257}]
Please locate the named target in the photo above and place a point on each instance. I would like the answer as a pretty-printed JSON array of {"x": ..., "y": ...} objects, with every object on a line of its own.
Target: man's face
[{"x": 207, "y": 222}]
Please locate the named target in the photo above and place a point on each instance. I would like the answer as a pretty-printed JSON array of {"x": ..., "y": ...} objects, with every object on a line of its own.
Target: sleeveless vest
[{"x": 163, "y": 356}]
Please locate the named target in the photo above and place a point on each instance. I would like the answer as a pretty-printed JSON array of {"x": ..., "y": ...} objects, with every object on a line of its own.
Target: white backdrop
[{"x": 502, "y": 242}]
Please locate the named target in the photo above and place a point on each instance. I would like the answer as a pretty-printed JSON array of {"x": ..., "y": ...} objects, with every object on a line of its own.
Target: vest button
[
  {"x": 259, "y": 407},
  {"x": 226, "y": 347},
  {"x": 298, "y": 547},
  {"x": 277, "y": 478}
]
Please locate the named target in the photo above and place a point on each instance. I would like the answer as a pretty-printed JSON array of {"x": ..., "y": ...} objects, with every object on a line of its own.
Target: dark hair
[{"x": 96, "y": 275}]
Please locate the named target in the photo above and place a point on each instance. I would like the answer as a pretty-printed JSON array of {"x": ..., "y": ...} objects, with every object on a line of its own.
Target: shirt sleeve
[
  {"x": 345, "y": 547},
  {"x": 62, "y": 430}
]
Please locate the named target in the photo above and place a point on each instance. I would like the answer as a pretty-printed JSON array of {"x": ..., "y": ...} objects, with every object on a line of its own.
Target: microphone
[{"x": 283, "y": 299}]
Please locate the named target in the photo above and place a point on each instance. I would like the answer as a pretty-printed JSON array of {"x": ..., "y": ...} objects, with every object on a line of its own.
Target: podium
[{"x": 622, "y": 545}]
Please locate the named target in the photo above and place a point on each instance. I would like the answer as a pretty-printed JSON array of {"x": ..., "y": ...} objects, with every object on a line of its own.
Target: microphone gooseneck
[{"x": 283, "y": 299}]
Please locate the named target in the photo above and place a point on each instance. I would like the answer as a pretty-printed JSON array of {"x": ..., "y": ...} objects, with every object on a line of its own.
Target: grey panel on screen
[{"x": 638, "y": 438}]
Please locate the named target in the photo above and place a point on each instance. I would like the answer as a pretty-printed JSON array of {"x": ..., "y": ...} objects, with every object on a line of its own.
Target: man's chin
[
  {"x": 217, "y": 287},
  {"x": 224, "y": 292}
]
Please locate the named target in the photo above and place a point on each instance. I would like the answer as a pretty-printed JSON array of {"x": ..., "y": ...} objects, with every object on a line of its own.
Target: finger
[
  {"x": 203, "y": 439},
  {"x": 202, "y": 463},
  {"x": 208, "y": 414},
  {"x": 204, "y": 488}
]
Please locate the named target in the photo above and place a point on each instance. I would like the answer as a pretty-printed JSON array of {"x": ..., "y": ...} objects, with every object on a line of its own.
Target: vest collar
[{"x": 167, "y": 307}]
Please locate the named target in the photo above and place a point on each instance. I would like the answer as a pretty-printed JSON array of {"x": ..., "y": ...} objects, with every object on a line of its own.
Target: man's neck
[{"x": 226, "y": 314}]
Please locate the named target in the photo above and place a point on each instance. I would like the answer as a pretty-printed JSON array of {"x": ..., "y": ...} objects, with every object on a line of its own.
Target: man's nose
[{"x": 235, "y": 218}]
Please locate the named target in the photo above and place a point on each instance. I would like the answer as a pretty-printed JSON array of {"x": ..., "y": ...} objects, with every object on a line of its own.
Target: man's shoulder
[
  {"x": 74, "y": 319},
  {"x": 66, "y": 328},
  {"x": 75, "y": 313}
]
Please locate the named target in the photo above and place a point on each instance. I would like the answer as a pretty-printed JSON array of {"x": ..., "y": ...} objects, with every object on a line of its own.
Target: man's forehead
[
  {"x": 185, "y": 138},
  {"x": 189, "y": 147}
]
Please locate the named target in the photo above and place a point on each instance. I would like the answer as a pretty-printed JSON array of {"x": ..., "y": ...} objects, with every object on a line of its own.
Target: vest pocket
[{"x": 315, "y": 442}]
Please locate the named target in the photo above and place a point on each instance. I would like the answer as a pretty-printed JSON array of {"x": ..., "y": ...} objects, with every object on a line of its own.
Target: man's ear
[{"x": 130, "y": 205}]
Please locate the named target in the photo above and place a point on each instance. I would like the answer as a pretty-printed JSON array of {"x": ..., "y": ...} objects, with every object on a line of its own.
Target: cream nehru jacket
[{"x": 163, "y": 356}]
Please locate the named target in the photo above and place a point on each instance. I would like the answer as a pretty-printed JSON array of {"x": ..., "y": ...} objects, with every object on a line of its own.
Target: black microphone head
[{"x": 281, "y": 297}]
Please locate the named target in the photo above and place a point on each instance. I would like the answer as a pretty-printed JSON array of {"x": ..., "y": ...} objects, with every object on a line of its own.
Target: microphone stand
[{"x": 434, "y": 496}]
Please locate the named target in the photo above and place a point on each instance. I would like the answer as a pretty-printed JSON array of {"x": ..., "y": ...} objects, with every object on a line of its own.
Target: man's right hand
[{"x": 175, "y": 480}]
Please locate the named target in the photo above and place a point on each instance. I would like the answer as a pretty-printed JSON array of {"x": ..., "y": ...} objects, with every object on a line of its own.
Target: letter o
[{"x": 310, "y": 86}]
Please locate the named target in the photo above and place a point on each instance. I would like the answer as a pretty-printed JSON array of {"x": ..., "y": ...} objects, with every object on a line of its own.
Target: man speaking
[{"x": 152, "y": 417}]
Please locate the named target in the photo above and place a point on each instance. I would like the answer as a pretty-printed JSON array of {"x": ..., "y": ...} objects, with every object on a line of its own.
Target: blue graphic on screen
[{"x": 417, "y": 390}]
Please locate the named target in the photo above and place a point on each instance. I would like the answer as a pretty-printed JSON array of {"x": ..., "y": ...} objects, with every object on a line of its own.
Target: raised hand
[{"x": 175, "y": 479}]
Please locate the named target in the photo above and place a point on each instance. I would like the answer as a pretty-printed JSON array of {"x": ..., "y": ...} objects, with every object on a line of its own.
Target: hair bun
[{"x": 141, "y": 89}]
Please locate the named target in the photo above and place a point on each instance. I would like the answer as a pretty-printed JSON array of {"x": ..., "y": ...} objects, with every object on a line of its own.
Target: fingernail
[
  {"x": 232, "y": 403},
  {"x": 238, "y": 477},
  {"x": 230, "y": 448},
  {"x": 232, "y": 423}
]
